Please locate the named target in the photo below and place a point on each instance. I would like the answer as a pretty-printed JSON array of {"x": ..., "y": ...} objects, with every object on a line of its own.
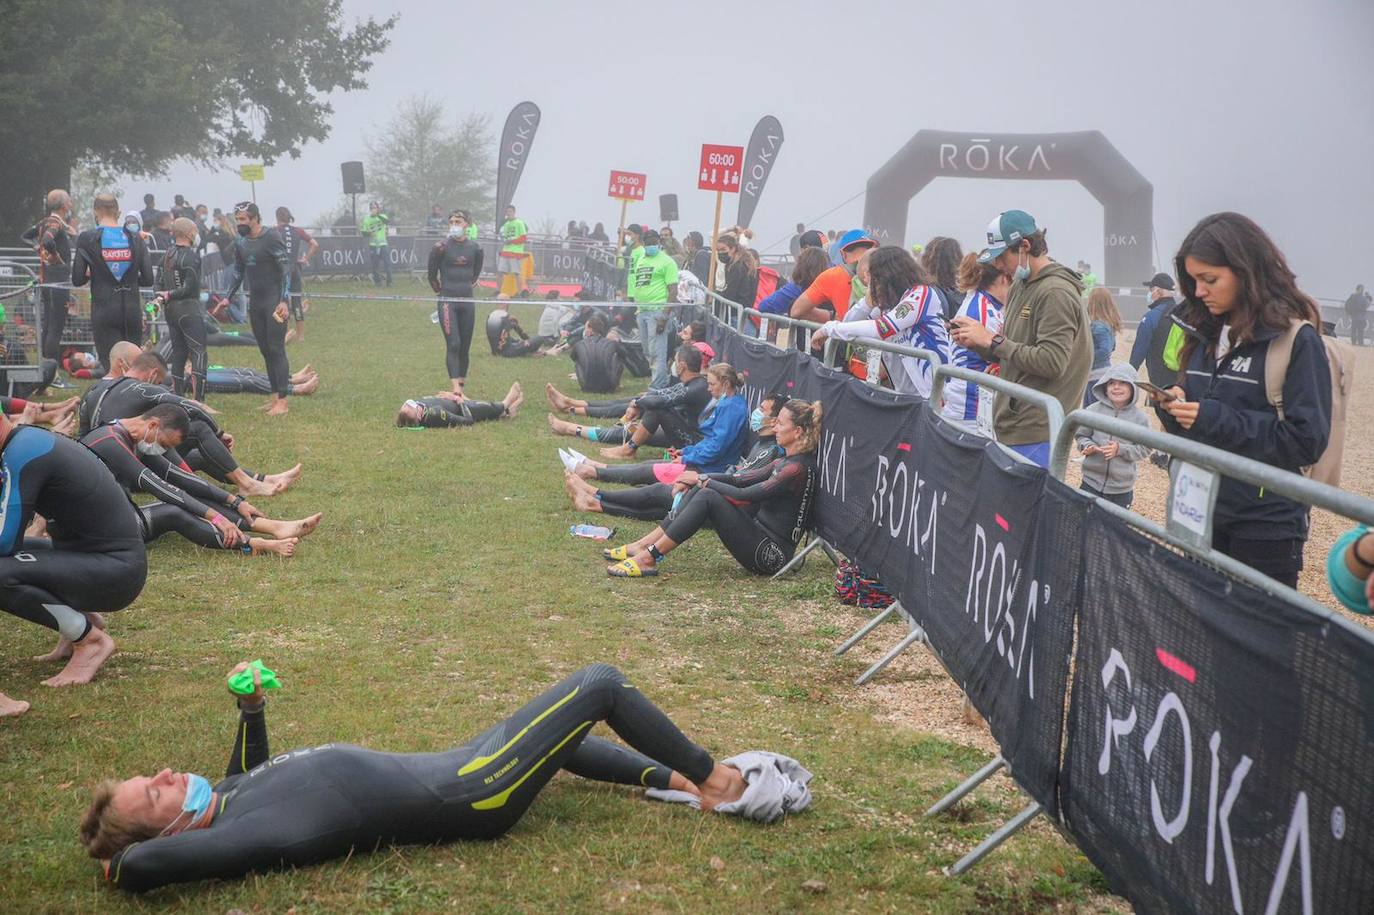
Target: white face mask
[{"x": 153, "y": 447}]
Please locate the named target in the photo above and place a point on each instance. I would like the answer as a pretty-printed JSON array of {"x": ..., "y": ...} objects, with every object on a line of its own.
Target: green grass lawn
[{"x": 444, "y": 590}]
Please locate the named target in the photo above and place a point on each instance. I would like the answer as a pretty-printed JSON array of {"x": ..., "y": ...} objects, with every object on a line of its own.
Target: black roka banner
[
  {"x": 759, "y": 157},
  {"x": 1220, "y": 740},
  {"x": 955, "y": 528},
  {"x": 600, "y": 276},
  {"x": 514, "y": 152},
  {"x": 350, "y": 255}
]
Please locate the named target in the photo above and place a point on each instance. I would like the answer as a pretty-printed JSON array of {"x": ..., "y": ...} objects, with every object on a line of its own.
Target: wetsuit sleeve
[
  {"x": 477, "y": 263},
  {"x": 771, "y": 488},
  {"x": 144, "y": 259},
  {"x": 47, "y": 243},
  {"x": 154, "y": 394},
  {"x": 30, "y": 238},
  {"x": 236, "y": 269},
  {"x": 250, "y": 742},
  {"x": 188, "y": 483},
  {"x": 185, "y": 280},
  {"x": 742, "y": 478},
  {"x": 12, "y": 404},
  {"x": 283, "y": 259},
  {"x": 131, "y": 472},
  {"x": 436, "y": 256},
  {"x": 219, "y": 852},
  {"x": 81, "y": 268},
  {"x": 667, "y": 397}
]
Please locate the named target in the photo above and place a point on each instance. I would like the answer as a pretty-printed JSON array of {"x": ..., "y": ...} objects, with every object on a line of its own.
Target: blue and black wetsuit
[
  {"x": 325, "y": 802},
  {"x": 95, "y": 559},
  {"x": 115, "y": 262},
  {"x": 264, "y": 263}
]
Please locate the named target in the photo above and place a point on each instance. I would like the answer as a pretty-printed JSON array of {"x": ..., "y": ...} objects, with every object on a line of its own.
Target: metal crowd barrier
[{"x": 1062, "y": 428}]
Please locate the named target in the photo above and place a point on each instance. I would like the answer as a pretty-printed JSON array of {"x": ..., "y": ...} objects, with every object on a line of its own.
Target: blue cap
[
  {"x": 848, "y": 240},
  {"x": 1007, "y": 229}
]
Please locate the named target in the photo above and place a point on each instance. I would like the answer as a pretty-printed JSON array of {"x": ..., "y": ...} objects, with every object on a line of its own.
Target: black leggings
[
  {"x": 666, "y": 430},
  {"x": 744, "y": 537},
  {"x": 607, "y": 409},
  {"x": 647, "y": 503},
  {"x": 186, "y": 327},
  {"x": 53, "y": 587},
  {"x": 237, "y": 381},
  {"x": 121, "y": 318},
  {"x": 205, "y": 452},
  {"x": 160, "y": 518},
  {"x": 271, "y": 337},
  {"x": 641, "y": 474},
  {"x": 54, "y": 321},
  {"x": 456, "y": 319}
]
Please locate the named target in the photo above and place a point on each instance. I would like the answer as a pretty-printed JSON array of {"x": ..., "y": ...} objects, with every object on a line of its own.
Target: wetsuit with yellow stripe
[{"x": 325, "y": 802}]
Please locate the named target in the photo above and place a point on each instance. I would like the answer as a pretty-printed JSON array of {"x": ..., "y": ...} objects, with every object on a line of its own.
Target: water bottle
[{"x": 591, "y": 531}]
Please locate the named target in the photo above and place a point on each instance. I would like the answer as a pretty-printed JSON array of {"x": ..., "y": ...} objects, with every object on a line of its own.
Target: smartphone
[{"x": 1156, "y": 390}]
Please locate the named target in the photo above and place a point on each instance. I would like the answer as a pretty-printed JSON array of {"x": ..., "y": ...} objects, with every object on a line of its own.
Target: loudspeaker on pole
[
  {"x": 667, "y": 207},
  {"x": 353, "y": 182}
]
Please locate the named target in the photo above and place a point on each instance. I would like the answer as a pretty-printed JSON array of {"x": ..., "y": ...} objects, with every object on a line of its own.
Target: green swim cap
[{"x": 242, "y": 682}]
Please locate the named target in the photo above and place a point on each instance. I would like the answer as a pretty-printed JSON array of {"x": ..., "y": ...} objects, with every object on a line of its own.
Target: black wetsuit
[
  {"x": 507, "y": 338},
  {"x": 442, "y": 413},
  {"x": 178, "y": 508},
  {"x": 760, "y": 515},
  {"x": 598, "y": 363},
  {"x": 319, "y": 803},
  {"x": 295, "y": 239},
  {"x": 180, "y": 280},
  {"x": 650, "y": 500},
  {"x": 95, "y": 559},
  {"x": 125, "y": 398},
  {"x": 454, "y": 266},
  {"x": 670, "y": 415},
  {"x": 266, "y": 265},
  {"x": 53, "y": 243},
  {"x": 115, "y": 262}
]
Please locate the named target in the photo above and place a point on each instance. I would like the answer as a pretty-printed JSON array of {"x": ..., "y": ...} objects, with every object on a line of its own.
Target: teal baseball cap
[{"x": 1006, "y": 230}]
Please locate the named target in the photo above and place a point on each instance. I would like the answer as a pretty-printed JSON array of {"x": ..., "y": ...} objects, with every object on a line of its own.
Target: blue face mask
[
  {"x": 651, "y": 250},
  {"x": 197, "y": 803},
  {"x": 756, "y": 419},
  {"x": 1022, "y": 272}
]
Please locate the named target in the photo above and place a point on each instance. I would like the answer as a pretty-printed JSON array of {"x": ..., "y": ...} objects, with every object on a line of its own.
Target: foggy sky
[{"x": 1262, "y": 106}]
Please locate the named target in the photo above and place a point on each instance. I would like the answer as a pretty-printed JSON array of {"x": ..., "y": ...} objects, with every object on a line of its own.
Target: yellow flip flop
[
  {"x": 630, "y": 569},
  {"x": 616, "y": 553}
]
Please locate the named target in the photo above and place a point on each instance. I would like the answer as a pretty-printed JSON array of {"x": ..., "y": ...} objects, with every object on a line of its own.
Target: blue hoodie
[{"x": 724, "y": 432}]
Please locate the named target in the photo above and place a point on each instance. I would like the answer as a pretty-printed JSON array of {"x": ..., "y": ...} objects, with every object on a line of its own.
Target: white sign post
[{"x": 1192, "y": 501}]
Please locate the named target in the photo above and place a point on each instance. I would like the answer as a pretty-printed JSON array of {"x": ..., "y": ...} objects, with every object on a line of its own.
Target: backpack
[
  {"x": 856, "y": 588},
  {"x": 767, "y": 285},
  {"x": 1342, "y": 364}
]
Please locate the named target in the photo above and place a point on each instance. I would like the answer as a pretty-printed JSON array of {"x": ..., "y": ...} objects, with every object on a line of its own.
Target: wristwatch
[{"x": 997, "y": 340}]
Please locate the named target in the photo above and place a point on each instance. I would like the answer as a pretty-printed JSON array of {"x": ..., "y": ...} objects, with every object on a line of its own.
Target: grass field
[{"x": 442, "y": 591}]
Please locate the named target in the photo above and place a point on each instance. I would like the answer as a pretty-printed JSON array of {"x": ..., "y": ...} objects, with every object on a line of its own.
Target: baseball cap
[
  {"x": 1161, "y": 280},
  {"x": 635, "y": 228},
  {"x": 1009, "y": 228},
  {"x": 812, "y": 238},
  {"x": 650, "y": 237}
]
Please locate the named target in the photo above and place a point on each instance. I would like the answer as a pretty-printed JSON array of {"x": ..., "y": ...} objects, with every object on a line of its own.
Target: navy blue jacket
[{"x": 1236, "y": 416}]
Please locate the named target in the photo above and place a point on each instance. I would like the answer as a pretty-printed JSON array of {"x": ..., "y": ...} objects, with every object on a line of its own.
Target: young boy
[{"x": 1108, "y": 464}]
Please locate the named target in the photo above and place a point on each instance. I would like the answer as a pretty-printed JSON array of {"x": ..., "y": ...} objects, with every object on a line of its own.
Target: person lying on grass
[
  {"x": 760, "y": 515},
  {"x": 666, "y": 418},
  {"x": 652, "y": 495},
  {"x": 319, "y": 803},
  {"x": 447, "y": 409}
]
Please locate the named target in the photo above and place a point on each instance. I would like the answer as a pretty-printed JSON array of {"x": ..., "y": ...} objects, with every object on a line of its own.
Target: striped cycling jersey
[{"x": 961, "y": 399}]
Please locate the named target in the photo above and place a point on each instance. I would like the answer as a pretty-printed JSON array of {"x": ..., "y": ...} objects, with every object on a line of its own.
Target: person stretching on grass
[
  {"x": 446, "y": 410},
  {"x": 760, "y": 515},
  {"x": 319, "y": 803}
]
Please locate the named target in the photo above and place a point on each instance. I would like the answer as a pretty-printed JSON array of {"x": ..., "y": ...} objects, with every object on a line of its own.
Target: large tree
[
  {"x": 129, "y": 87},
  {"x": 418, "y": 160}
]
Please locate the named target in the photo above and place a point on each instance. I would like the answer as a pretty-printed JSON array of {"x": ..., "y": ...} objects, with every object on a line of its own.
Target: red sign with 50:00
[
  {"x": 628, "y": 185},
  {"x": 721, "y": 168}
]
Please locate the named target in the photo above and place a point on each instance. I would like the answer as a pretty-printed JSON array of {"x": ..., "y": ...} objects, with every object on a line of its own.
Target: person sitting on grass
[
  {"x": 665, "y": 418},
  {"x": 133, "y": 450},
  {"x": 446, "y": 410},
  {"x": 507, "y": 338},
  {"x": 326, "y": 802},
  {"x": 760, "y": 516},
  {"x": 652, "y": 495}
]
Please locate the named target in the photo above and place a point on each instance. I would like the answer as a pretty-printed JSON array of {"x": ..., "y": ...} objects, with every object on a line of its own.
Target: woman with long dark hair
[{"x": 1238, "y": 296}]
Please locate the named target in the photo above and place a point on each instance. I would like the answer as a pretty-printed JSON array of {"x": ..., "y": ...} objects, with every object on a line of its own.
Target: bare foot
[
  {"x": 258, "y": 488},
  {"x": 10, "y": 708},
  {"x": 87, "y": 657},
  {"x": 66, "y": 425},
  {"x": 278, "y": 407},
  {"x": 302, "y": 528},
  {"x": 562, "y": 426},
  {"x": 307, "y": 387},
  {"x": 63, "y": 651},
  {"x": 284, "y": 479},
  {"x": 290, "y": 336},
  {"x": 285, "y": 548},
  {"x": 620, "y": 451},
  {"x": 723, "y": 785},
  {"x": 514, "y": 398},
  {"x": 587, "y": 470},
  {"x": 557, "y": 399},
  {"x": 304, "y": 373},
  {"x": 38, "y": 527}
]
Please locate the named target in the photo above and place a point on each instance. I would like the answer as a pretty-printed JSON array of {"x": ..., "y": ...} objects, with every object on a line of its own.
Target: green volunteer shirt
[
  {"x": 650, "y": 277},
  {"x": 374, "y": 229},
  {"x": 512, "y": 229}
]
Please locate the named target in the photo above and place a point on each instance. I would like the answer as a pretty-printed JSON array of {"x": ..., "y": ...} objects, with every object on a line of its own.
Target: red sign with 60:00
[{"x": 721, "y": 168}]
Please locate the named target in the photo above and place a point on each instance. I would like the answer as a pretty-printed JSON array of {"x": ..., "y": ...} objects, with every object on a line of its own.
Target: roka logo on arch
[{"x": 981, "y": 154}]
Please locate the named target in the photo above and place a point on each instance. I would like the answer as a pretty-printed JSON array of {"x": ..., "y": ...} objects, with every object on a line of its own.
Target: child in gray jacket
[{"x": 1108, "y": 464}]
